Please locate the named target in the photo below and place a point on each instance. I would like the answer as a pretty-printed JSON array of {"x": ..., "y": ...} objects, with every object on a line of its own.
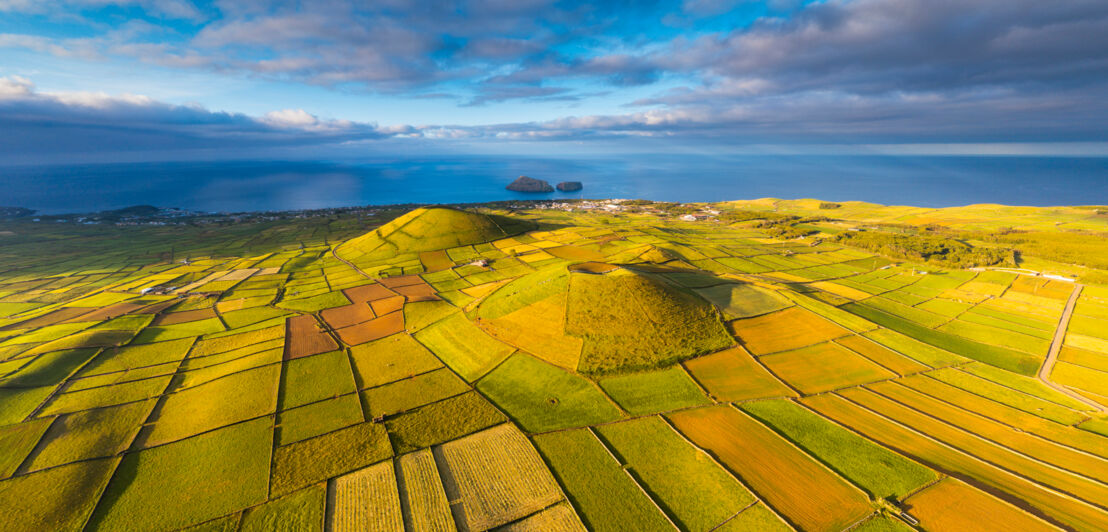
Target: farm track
[{"x": 1056, "y": 347}]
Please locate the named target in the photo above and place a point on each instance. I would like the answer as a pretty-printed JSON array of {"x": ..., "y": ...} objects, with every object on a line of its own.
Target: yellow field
[
  {"x": 1063, "y": 434},
  {"x": 1062, "y": 481},
  {"x": 557, "y": 518},
  {"x": 1074, "y": 513},
  {"x": 734, "y": 375},
  {"x": 1057, "y": 455},
  {"x": 423, "y": 493},
  {"x": 365, "y": 500},
  {"x": 783, "y": 330},
  {"x": 809, "y": 495},
  {"x": 499, "y": 476},
  {"x": 1087, "y": 343},
  {"x": 840, "y": 290},
  {"x": 954, "y": 505},
  {"x": 878, "y": 353},
  {"x": 538, "y": 329},
  {"x": 823, "y": 367}
]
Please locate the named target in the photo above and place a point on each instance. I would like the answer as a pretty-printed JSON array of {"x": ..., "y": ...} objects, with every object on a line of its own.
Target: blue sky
[{"x": 181, "y": 79}]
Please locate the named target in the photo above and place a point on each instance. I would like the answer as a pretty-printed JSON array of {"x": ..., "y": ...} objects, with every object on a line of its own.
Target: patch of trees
[{"x": 939, "y": 249}]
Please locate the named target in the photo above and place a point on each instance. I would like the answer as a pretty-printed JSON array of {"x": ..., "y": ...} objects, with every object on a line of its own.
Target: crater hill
[
  {"x": 602, "y": 318},
  {"x": 428, "y": 229}
]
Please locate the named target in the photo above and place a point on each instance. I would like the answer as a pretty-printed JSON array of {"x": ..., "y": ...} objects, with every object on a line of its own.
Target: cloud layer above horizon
[{"x": 230, "y": 77}]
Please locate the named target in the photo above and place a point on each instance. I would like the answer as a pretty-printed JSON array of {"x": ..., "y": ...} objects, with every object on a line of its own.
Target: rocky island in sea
[
  {"x": 528, "y": 184},
  {"x": 569, "y": 186}
]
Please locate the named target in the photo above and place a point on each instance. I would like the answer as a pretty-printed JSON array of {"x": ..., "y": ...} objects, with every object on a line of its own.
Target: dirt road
[{"x": 1056, "y": 347}]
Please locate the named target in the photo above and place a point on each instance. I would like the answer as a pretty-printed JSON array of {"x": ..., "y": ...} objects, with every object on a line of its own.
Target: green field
[{"x": 533, "y": 368}]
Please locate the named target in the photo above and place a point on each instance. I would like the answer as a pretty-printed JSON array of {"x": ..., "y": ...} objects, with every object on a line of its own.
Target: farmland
[{"x": 525, "y": 368}]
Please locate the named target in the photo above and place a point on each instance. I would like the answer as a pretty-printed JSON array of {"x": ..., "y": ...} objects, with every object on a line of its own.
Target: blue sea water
[{"x": 929, "y": 181}]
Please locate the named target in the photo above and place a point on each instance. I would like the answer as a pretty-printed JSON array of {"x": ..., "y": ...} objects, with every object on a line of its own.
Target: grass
[
  {"x": 686, "y": 482},
  {"x": 542, "y": 397},
  {"x": 302, "y": 511},
  {"x": 215, "y": 404},
  {"x": 314, "y": 303},
  {"x": 809, "y": 496},
  {"x": 734, "y": 375},
  {"x": 318, "y": 418},
  {"x": 407, "y": 394},
  {"x": 631, "y": 321},
  {"x": 442, "y": 421},
  {"x": 605, "y": 496},
  {"x": 314, "y": 378},
  {"x": 742, "y": 300},
  {"x": 1015, "y": 361},
  {"x": 127, "y": 357},
  {"x": 878, "y": 471},
  {"x": 499, "y": 477},
  {"x": 99, "y": 397},
  {"x": 885, "y": 357},
  {"x": 366, "y": 499},
  {"x": 464, "y": 347},
  {"x": 49, "y": 369},
  {"x": 314, "y": 460},
  {"x": 17, "y": 441},
  {"x": 390, "y": 359},
  {"x": 97, "y": 433},
  {"x": 1028, "y": 385},
  {"x": 18, "y": 403},
  {"x": 57, "y": 499},
  {"x": 916, "y": 350},
  {"x": 548, "y": 342},
  {"x": 209, "y": 476},
  {"x": 654, "y": 391},
  {"x": 823, "y": 367},
  {"x": 1011, "y": 397},
  {"x": 757, "y": 518}
]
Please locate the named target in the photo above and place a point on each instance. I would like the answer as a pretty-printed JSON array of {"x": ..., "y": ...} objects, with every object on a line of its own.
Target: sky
[{"x": 148, "y": 80}]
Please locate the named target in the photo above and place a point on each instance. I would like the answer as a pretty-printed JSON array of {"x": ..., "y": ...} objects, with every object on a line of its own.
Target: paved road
[{"x": 1056, "y": 347}]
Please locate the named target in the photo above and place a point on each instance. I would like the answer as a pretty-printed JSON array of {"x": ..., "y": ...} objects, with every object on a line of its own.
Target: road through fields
[{"x": 1056, "y": 347}]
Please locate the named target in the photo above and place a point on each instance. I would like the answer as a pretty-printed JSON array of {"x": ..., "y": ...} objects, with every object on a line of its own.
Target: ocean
[{"x": 928, "y": 181}]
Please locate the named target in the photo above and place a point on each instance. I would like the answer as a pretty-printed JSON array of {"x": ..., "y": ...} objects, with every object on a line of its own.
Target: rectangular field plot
[
  {"x": 318, "y": 418},
  {"x": 366, "y": 499},
  {"x": 755, "y": 518},
  {"x": 883, "y": 356},
  {"x": 543, "y": 397},
  {"x": 390, "y": 359},
  {"x": 498, "y": 477},
  {"x": 736, "y": 300},
  {"x": 783, "y": 330},
  {"x": 1066, "y": 510},
  {"x": 549, "y": 341},
  {"x": 413, "y": 392},
  {"x": 879, "y": 471},
  {"x": 809, "y": 495},
  {"x": 1081, "y": 488},
  {"x": 1006, "y": 394},
  {"x": 211, "y": 475},
  {"x": 1057, "y": 455},
  {"x": 374, "y": 329},
  {"x": 464, "y": 347},
  {"x": 734, "y": 375},
  {"x": 316, "y": 459},
  {"x": 89, "y": 434},
  {"x": 314, "y": 378},
  {"x": 60, "y": 498},
  {"x": 17, "y": 441},
  {"x": 305, "y": 337},
  {"x": 606, "y": 495},
  {"x": 421, "y": 493},
  {"x": 303, "y": 510},
  {"x": 442, "y": 421},
  {"x": 824, "y": 367},
  {"x": 654, "y": 391},
  {"x": 955, "y": 505},
  {"x": 687, "y": 482},
  {"x": 218, "y": 403}
]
